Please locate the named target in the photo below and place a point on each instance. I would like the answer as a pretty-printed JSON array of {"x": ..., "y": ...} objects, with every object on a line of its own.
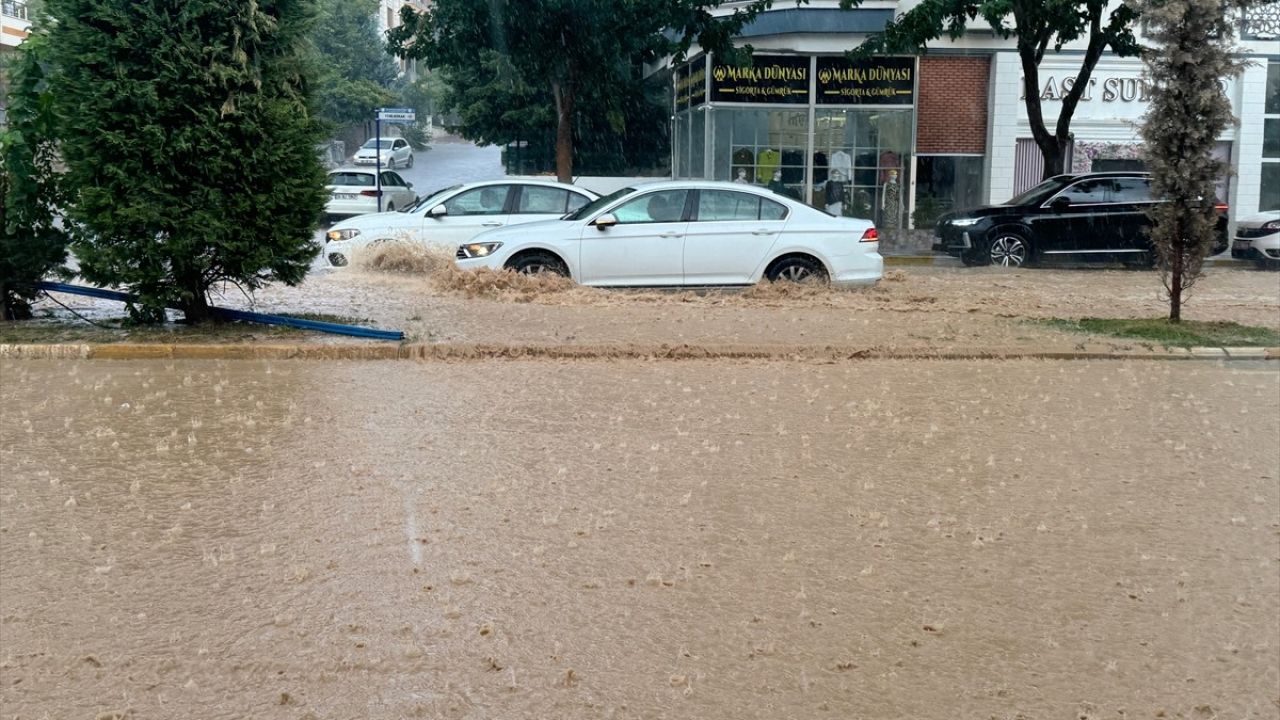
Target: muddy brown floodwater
[{"x": 639, "y": 540}]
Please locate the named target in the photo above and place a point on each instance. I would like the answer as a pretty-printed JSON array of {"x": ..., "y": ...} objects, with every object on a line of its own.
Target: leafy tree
[
  {"x": 1036, "y": 25},
  {"x": 189, "y": 144},
  {"x": 32, "y": 244},
  {"x": 1189, "y": 109},
  {"x": 557, "y": 49},
  {"x": 356, "y": 75}
]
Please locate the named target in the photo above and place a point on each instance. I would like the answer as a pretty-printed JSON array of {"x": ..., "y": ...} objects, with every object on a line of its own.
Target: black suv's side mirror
[{"x": 1060, "y": 203}]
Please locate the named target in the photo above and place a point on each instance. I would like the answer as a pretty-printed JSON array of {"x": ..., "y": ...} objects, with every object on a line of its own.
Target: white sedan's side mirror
[
  {"x": 438, "y": 211},
  {"x": 605, "y": 221}
]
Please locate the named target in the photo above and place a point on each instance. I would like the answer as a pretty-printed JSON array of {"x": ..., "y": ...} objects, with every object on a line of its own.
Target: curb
[
  {"x": 948, "y": 261},
  {"x": 478, "y": 352}
]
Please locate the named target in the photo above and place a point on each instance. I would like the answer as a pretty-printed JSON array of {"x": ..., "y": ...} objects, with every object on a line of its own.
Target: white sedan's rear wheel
[{"x": 798, "y": 269}]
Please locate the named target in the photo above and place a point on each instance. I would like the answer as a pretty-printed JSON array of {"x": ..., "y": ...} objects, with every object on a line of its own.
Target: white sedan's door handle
[
  {"x": 762, "y": 231},
  {"x": 670, "y": 235},
  {"x": 491, "y": 224}
]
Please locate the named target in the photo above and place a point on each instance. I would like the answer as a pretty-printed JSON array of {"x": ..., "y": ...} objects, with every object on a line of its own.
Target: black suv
[{"x": 1094, "y": 216}]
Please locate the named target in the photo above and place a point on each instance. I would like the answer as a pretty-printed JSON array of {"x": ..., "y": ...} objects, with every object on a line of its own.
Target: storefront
[
  {"x": 1104, "y": 127},
  {"x": 835, "y": 133}
]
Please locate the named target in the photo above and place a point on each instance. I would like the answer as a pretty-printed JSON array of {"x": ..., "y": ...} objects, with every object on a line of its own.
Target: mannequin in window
[
  {"x": 891, "y": 202},
  {"x": 842, "y": 163},
  {"x": 835, "y": 193},
  {"x": 741, "y": 177},
  {"x": 777, "y": 185}
]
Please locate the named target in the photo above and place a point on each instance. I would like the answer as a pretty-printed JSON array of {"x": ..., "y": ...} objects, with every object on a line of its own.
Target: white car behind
[
  {"x": 395, "y": 152},
  {"x": 450, "y": 217},
  {"x": 687, "y": 233},
  {"x": 354, "y": 191},
  {"x": 1258, "y": 239}
]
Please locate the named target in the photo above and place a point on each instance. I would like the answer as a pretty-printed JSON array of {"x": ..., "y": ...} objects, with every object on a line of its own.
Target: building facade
[{"x": 902, "y": 139}]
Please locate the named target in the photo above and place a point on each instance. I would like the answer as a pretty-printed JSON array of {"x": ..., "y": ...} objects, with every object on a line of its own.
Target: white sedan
[
  {"x": 691, "y": 233},
  {"x": 395, "y": 153},
  {"x": 450, "y": 217},
  {"x": 1258, "y": 239},
  {"x": 354, "y": 191}
]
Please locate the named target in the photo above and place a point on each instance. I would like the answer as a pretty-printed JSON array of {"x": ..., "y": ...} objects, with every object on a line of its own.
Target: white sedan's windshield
[
  {"x": 594, "y": 205},
  {"x": 429, "y": 200},
  {"x": 370, "y": 144}
]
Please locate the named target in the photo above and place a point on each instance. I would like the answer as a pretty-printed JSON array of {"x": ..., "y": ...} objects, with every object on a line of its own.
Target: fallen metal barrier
[{"x": 242, "y": 315}]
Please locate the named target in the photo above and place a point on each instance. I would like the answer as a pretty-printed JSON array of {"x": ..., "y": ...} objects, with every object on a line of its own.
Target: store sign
[
  {"x": 869, "y": 81},
  {"x": 774, "y": 79},
  {"x": 691, "y": 84},
  {"x": 1116, "y": 91}
]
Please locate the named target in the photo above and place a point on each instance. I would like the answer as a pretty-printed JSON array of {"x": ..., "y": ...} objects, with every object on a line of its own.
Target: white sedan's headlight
[
  {"x": 1273, "y": 225},
  {"x": 479, "y": 250},
  {"x": 964, "y": 222},
  {"x": 343, "y": 234}
]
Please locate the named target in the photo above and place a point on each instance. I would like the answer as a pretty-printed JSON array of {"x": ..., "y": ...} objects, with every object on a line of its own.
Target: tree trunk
[
  {"x": 563, "y": 93},
  {"x": 1175, "y": 286},
  {"x": 195, "y": 308},
  {"x": 1031, "y": 49}
]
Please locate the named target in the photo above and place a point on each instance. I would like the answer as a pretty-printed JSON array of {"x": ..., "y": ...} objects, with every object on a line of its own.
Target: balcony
[{"x": 14, "y": 9}]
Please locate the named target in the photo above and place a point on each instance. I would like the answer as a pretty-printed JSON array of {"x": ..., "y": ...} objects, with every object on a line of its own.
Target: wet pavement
[{"x": 639, "y": 540}]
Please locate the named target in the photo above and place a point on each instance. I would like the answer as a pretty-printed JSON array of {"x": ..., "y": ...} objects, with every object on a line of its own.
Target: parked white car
[
  {"x": 354, "y": 191},
  {"x": 688, "y": 233},
  {"x": 395, "y": 153},
  {"x": 1258, "y": 239},
  {"x": 450, "y": 217}
]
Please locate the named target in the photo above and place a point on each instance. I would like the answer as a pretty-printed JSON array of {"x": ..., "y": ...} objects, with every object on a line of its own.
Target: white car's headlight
[
  {"x": 479, "y": 250},
  {"x": 342, "y": 234},
  {"x": 964, "y": 222},
  {"x": 1272, "y": 225}
]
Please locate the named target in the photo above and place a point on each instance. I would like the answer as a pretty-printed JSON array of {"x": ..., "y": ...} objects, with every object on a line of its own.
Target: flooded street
[{"x": 639, "y": 540}]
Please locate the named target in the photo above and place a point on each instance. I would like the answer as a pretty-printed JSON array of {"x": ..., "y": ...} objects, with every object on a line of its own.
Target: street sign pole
[
  {"x": 391, "y": 115},
  {"x": 377, "y": 155}
]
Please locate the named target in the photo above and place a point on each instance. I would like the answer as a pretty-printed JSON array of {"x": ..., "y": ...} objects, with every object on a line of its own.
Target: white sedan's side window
[
  {"x": 536, "y": 200},
  {"x": 716, "y": 205},
  {"x": 770, "y": 210},
  {"x": 488, "y": 200},
  {"x": 577, "y": 201},
  {"x": 656, "y": 207}
]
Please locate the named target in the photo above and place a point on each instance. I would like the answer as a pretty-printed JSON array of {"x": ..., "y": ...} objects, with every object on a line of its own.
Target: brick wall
[{"x": 951, "y": 112}]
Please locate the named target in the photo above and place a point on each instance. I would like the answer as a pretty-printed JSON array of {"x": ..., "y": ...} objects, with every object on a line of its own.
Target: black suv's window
[
  {"x": 1131, "y": 190},
  {"x": 1088, "y": 192},
  {"x": 1041, "y": 192}
]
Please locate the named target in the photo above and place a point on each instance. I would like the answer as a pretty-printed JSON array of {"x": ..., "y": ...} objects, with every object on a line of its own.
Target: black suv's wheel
[
  {"x": 536, "y": 262},
  {"x": 1009, "y": 249},
  {"x": 797, "y": 269}
]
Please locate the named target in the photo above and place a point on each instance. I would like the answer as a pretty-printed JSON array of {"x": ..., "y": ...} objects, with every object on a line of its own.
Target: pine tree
[
  {"x": 189, "y": 144},
  {"x": 31, "y": 243},
  {"x": 1189, "y": 109}
]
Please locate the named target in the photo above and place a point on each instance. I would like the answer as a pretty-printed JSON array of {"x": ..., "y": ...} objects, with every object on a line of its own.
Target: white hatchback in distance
[
  {"x": 450, "y": 217},
  {"x": 354, "y": 191},
  {"x": 395, "y": 153},
  {"x": 690, "y": 233}
]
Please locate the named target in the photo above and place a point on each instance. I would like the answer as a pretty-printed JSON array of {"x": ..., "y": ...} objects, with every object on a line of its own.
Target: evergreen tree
[
  {"x": 1189, "y": 109},
  {"x": 31, "y": 243},
  {"x": 189, "y": 144}
]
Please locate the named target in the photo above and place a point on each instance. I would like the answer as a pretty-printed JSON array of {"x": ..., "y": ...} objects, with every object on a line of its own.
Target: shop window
[
  {"x": 860, "y": 164},
  {"x": 761, "y": 147},
  {"x": 945, "y": 183}
]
